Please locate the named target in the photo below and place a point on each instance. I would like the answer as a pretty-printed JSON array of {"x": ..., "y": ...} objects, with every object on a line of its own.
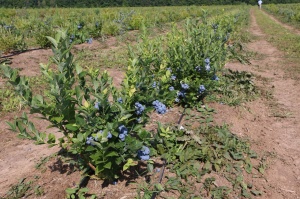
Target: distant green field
[{"x": 24, "y": 28}]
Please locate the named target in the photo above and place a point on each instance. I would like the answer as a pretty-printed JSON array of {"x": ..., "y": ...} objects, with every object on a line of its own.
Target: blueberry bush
[{"x": 105, "y": 126}]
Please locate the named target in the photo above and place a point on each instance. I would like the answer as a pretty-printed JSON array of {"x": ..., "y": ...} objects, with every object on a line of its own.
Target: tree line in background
[{"x": 112, "y": 3}]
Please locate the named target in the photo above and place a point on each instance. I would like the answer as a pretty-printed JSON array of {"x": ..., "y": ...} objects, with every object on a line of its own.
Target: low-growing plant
[
  {"x": 44, "y": 29},
  {"x": 100, "y": 125},
  {"x": 77, "y": 192},
  {"x": 104, "y": 126},
  {"x": 9, "y": 41},
  {"x": 235, "y": 87}
]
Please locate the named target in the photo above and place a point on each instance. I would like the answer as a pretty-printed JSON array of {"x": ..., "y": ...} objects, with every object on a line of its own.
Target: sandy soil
[{"x": 272, "y": 125}]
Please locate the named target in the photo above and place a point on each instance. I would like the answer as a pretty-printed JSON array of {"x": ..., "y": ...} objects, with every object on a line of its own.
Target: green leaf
[
  {"x": 107, "y": 165},
  {"x": 71, "y": 191},
  {"x": 128, "y": 164},
  {"x": 159, "y": 187},
  {"x": 161, "y": 148},
  {"x": 207, "y": 165},
  {"x": 53, "y": 41},
  {"x": 72, "y": 127},
  {"x": 125, "y": 117},
  {"x": 80, "y": 137},
  {"x": 90, "y": 148},
  {"x": 13, "y": 126},
  {"x": 112, "y": 154},
  {"x": 237, "y": 156},
  {"x": 78, "y": 69},
  {"x": 51, "y": 138},
  {"x": 57, "y": 119},
  {"x": 150, "y": 167}
]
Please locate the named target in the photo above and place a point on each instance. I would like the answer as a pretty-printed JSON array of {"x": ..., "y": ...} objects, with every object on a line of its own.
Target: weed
[
  {"x": 19, "y": 190},
  {"x": 235, "y": 88}
]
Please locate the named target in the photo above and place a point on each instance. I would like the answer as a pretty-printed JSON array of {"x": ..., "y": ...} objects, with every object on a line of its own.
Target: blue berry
[
  {"x": 122, "y": 137},
  {"x": 123, "y": 130},
  {"x": 207, "y": 67},
  {"x": 144, "y": 157},
  {"x": 173, "y": 77},
  {"x": 207, "y": 61},
  {"x": 181, "y": 94},
  {"x": 139, "y": 108},
  {"x": 198, "y": 68},
  {"x": 201, "y": 89},
  {"x": 215, "y": 77},
  {"x": 120, "y": 100},
  {"x": 143, "y": 154},
  {"x": 97, "y": 105},
  {"x": 159, "y": 107},
  {"x": 171, "y": 88},
  {"x": 90, "y": 141},
  {"x": 154, "y": 85},
  {"x": 90, "y": 41},
  {"x": 185, "y": 86}
]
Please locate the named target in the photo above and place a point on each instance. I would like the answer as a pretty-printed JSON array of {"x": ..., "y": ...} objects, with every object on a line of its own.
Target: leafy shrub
[
  {"x": 44, "y": 30},
  {"x": 10, "y": 41},
  {"x": 104, "y": 132},
  {"x": 103, "y": 125}
]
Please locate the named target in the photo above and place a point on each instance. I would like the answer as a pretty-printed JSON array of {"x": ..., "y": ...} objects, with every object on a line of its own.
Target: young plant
[{"x": 98, "y": 124}]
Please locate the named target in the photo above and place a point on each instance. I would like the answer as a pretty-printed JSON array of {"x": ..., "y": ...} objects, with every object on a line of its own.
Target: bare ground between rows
[{"x": 271, "y": 124}]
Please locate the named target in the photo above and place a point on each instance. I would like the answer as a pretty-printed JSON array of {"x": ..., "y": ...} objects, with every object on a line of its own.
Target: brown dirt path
[{"x": 271, "y": 124}]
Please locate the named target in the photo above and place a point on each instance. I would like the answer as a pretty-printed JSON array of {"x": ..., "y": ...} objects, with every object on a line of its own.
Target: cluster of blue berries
[
  {"x": 198, "y": 68},
  {"x": 120, "y": 100},
  {"x": 207, "y": 62},
  {"x": 143, "y": 154},
  {"x": 159, "y": 107},
  {"x": 139, "y": 120},
  {"x": 185, "y": 86},
  {"x": 215, "y": 77},
  {"x": 8, "y": 27},
  {"x": 97, "y": 105},
  {"x": 215, "y": 26},
  {"x": 201, "y": 89},
  {"x": 89, "y": 41},
  {"x": 154, "y": 85},
  {"x": 72, "y": 37},
  {"x": 90, "y": 141},
  {"x": 123, "y": 131},
  {"x": 139, "y": 108},
  {"x": 181, "y": 94}
]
